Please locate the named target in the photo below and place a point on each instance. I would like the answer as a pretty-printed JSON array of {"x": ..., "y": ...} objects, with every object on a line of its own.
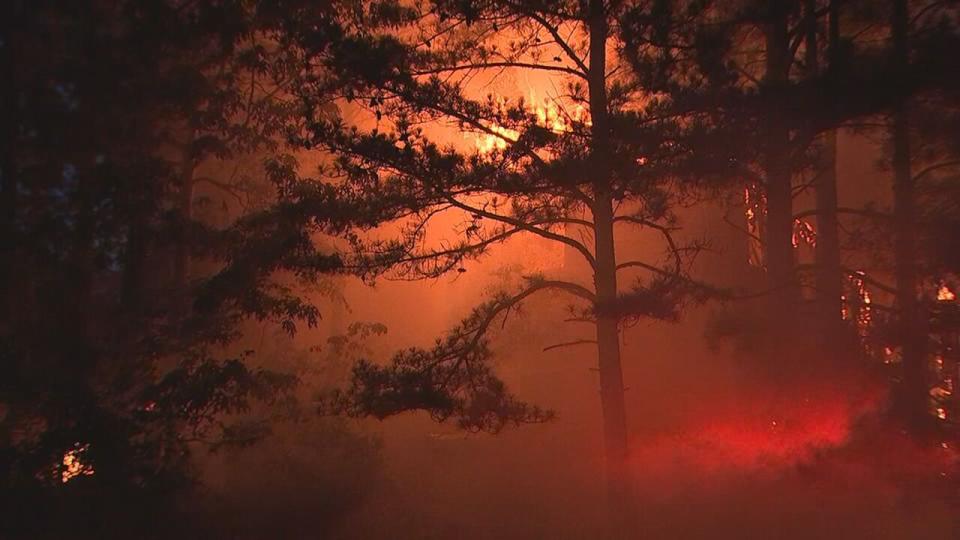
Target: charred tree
[
  {"x": 185, "y": 199},
  {"x": 829, "y": 274},
  {"x": 912, "y": 394},
  {"x": 619, "y": 484},
  {"x": 777, "y": 163},
  {"x": 602, "y": 171}
]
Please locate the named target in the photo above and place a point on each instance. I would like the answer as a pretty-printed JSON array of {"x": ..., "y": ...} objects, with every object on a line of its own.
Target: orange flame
[
  {"x": 73, "y": 465},
  {"x": 548, "y": 114},
  {"x": 944, "y": 294}
]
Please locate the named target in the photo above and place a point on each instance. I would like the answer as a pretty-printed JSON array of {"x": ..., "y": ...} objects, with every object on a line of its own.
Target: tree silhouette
[
  {"x": 602, "y": 164},
  {"x": 111, "y": 361}
]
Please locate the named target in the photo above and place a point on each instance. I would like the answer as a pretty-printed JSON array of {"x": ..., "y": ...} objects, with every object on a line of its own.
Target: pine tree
[{"x": 616, "y": 157}]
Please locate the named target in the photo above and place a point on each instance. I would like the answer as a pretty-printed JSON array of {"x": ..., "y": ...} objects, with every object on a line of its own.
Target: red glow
[{"x": 776, "y": 431}]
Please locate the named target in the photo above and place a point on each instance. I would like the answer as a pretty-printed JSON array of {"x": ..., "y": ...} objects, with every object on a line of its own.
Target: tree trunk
[
  {"x": 777, "y": 167},
  {"x": 9, "y": 138},
  {"x": 182, "y": 257},
  {"x": 912, "y": 395},
  {"x": 621, "y": 504},
  {"x": 619, "y": 479},
  {"x": 132, "y": 287},
  {"x": 829, "y": 274}
]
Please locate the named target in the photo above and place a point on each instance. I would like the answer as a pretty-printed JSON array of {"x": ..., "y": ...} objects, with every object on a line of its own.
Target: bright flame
[
  {"x": 944, "y": 294},
  {"x": 859, "y": 309},
  {"x": 548, "y": 115},
  {"x": 73, "y": 465},
  {"x": 756, "y": 208},
  {"x": 496, "y": 141},
  {"x": 803, "y": 232}
]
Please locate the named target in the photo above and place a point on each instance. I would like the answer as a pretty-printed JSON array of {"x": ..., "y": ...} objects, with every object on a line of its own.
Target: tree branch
[
  {"x": 559, "y": 39},
  {"x": 527, "y": 227},
  {"x": 569, "y": 344},
  {"x": 845, "y": 210},
  {"x": 495, "y": 65}
]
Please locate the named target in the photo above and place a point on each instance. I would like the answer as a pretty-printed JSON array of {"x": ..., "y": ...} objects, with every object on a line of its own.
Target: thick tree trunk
[
  {"x": 829, "y": 274},
  {"x": 912, "y": 396},
  {"x": 619, "y": 479},
  {"x": 777, "y": 165},
  {"x": 132, "y": 287},
  {"x": 621, "y": 502},
  {"x": 9, "y": 138}
]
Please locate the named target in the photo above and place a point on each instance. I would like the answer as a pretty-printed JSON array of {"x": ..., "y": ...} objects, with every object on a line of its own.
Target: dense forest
[{"x": 479, "y": 269}]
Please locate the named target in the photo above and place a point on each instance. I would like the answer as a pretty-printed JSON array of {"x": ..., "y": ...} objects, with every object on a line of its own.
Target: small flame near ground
[
  {"x": 944, "y": 294},
  {"x": 73, "y": 464}
]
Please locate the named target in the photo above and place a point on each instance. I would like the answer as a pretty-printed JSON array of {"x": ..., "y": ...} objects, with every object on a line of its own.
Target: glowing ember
[
  {"x": 858, "y": 308},
  {"x": 496, "y": 141},
  {"x": 548, "y": 115},
  {"x": 944, "y": 294},
  {"x": 73, "y": 464},
  {"x": 756, "y": 208},
  {"x": 552, "y": 117},
  {"x": 727, "y": 437},
  {"x": 803, "y": 232},
  {"x": 941, "y": 413}
]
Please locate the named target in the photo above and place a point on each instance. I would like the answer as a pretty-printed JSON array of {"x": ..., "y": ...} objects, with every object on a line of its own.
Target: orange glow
[
  {"x": 859, "y": 310},
  {"x": 941, "y": 413},
  {"x": 497, "y": 141},
  {"x": 783, "y": 431},
  {"x": 549, "y": 114},
  {"x": 73, "y": 465},
  {"x": 755, "y": 209},
  {"x": 944, "y": 294},
  {"x": 803, "y": 232}
]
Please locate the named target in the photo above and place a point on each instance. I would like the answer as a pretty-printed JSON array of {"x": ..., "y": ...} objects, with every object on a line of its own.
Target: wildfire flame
[
  {"x": 803, "y": 232},
  {"x": 548, "y": 113},
  {"x": 73, "y": 465},
  {"x": 944, "y": 294},
  {"x": 496, "y": 141},
  {"x": 756, "y": 208},
  {"x": 859, "y": 309},
  {"x": 551, "y": 116}
]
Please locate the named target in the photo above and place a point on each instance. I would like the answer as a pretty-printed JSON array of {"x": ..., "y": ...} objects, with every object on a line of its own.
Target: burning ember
[
  {"x": 857, "y": 307},
  {"x": 944, "y": 294},
  {"x": 73, "y": 465},
  {"x": 549, "y": 114},
  {"x": 498, "y": 141},
  {"x": 787, "y": 431},
  {"x": 756, "y": 208},
  {"x": 803, "y": 233}
]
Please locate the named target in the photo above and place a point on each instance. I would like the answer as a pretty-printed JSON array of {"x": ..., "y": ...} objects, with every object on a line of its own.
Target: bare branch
[
  {"x": 935, "y": 167},
  {"x": 845, "y": 210},
  {"x": 222, "y": 186},
  {"x": 497, "y": 65},
  {"x": 665, "y": 231},
  {"x": 569, "y": 344},
  {"x": 555, "y": 33},
  {"x": 529, "y": 228}
]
